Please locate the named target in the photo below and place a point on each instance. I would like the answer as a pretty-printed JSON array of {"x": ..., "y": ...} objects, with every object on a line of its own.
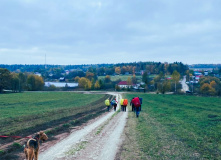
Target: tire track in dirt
[
  {"x": 105, "y": 144},
  {"x": 87, "y": 143}
]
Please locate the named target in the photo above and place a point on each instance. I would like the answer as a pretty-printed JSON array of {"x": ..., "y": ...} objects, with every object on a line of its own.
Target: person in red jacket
[{"x": 137, "y": 105}]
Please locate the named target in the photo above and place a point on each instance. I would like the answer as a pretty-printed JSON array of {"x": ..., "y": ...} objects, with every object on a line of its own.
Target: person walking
[
  {"x": 121, "y": 104},
  {"x": 136, "y": 102},
  {"x": 125, "y": 105},
  {"x": 132, "y": 104},
  {"x": 114, "y": 104},
  {"x": 107, "y": 103}
]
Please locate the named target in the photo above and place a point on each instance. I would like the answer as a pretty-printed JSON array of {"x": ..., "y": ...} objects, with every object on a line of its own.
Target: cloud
[
  {"x": 202, "y": 27},
  {"x": 99, "y": 31},
  {"x": 96, "y": 4}
]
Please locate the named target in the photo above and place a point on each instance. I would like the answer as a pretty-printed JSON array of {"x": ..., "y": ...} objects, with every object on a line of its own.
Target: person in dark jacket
[
  {"x": 131, "y": 104},
  {"x": 114, "y": 104}
]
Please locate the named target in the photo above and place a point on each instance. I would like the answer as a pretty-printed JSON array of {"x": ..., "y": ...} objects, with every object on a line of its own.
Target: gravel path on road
[
  {"x": 185, "y": 87},
  {"x": 97, "y": 140}
]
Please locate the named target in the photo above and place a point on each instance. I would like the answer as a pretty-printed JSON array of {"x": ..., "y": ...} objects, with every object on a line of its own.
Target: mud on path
[{"x": 100, "y": 138}]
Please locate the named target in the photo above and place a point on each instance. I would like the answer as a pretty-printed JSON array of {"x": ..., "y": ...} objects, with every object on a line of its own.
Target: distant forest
[
  {"x": 152, "y": 67},
  {"x": 37, "y": 67},
  {"x": 205, "y": 66},
  {"x": 84, "y": 67},
  {"x": 25, "y": 77}
]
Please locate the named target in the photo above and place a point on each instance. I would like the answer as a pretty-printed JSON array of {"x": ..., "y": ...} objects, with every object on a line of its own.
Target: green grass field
[
  {"x": 26, "y": 110},
  {"x": 122, "y": 77},
  {"x": 175, "y": 127}
]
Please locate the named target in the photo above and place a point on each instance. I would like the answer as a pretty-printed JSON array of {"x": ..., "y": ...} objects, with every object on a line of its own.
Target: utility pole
[{"x": 45, "y": 62}]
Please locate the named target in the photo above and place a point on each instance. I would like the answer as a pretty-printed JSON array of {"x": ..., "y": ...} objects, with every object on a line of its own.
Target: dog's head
[{"x": 42, "y": 136}]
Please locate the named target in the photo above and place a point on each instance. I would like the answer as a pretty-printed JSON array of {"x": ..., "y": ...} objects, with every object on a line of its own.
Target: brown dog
[{"x": 32, "y": 148}]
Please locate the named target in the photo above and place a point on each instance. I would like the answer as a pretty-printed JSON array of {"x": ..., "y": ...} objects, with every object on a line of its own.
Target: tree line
[
  {"x": 18, "y": 82},
  {"x": 22, "y": 77},
  {"x": 205, "y": 66},
  {"x": 102, "y": 69}
]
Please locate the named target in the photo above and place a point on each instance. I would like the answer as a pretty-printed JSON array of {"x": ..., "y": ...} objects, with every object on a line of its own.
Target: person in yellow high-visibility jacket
[
  {"x": 107, "y": 103},
  {"x": 121, "y": 104}
]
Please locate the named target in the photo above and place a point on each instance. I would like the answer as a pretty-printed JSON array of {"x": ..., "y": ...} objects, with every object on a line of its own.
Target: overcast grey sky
[{"x": 109, "y": 31}]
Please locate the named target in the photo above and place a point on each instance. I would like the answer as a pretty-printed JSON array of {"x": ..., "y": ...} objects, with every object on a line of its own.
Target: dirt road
[
  {"x": 100, "y": 139},
  {"x": 185, "y": 87}
]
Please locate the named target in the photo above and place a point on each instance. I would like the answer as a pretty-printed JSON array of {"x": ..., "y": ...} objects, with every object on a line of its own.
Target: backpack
[
  {"x": 125, "y": 102},
  {"x": 122, "y": 102},
  {"x": 107, "y": 102},
  {"x": 113, "y": 102},
  {"x": 136, "y": 102}
]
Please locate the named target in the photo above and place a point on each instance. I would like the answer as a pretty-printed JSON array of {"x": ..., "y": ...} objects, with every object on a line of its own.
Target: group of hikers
[{"x": 135, "y": 103}]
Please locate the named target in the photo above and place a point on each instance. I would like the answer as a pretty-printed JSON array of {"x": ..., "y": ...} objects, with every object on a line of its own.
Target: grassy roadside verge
[{"x": 174, "y": 127}]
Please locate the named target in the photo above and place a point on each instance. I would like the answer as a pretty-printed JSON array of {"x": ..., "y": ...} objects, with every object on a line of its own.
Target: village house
[
  {"x": 62, "y": 79},
  {"x": 123, "y": 84}
]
